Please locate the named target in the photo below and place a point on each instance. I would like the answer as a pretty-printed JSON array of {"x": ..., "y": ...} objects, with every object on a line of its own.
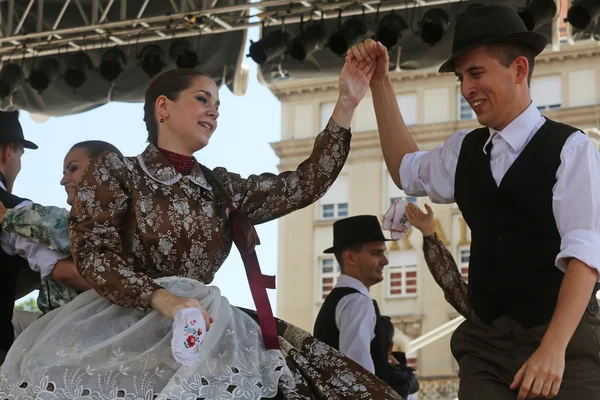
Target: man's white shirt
[
  {"x": 576, "y": 194},
  {"x": 355, "y": 318}
]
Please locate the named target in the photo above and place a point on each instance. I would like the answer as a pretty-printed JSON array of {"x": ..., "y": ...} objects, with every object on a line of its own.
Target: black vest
[
  {"x": 514, "y": 238},
  {"x": 327, "y": 331},
  {"x": 8, "y": 281}
]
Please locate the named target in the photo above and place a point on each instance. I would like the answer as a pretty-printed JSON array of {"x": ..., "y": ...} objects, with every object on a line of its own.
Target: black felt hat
[
  {"x": 492, "y": 24},
  {"x": 356, "y": 230},
  {"x": 11, "y": 131}
]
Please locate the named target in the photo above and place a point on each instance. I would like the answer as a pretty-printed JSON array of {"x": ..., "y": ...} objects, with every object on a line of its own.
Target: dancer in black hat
[
  {"x": 349, "y": 318},
  {"x": 529, "y": 189},
  {"x": 18, "y": 256}
]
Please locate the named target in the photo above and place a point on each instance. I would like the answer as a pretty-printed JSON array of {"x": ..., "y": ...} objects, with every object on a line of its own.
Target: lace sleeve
[
  {"x": 268, "y": 196},
  {"x": 446, "y": 274},
  {"x": 46, "y": 225}
]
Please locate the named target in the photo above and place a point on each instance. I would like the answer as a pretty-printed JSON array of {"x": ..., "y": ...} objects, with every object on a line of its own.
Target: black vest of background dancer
[
  {"x": 514, "y": 237},
  {"x": 11, "y": 265},
  {"x": 327, "y": 331}
]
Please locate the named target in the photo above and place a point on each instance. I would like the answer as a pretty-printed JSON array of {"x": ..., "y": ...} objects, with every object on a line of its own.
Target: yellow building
[{"x": 566, "y": 88}]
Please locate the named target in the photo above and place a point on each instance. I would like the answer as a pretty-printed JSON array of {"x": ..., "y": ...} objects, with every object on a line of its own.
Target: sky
[{"x": 247, "y": 126}]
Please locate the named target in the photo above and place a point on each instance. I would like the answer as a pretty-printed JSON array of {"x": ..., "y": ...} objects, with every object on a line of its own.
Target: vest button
[{"x": 593, "y": 307}]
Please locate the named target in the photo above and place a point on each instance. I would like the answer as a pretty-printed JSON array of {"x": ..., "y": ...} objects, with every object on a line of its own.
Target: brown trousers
[{"x": 489, "y": 357}]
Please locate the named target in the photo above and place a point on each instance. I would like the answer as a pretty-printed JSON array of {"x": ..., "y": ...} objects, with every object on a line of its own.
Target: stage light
[
  {"x": 183, "y": 54},
  {"x": 350, "y": 33},
  {"x": 10, "y": 75},
  {"x": 390, "y": 29},
  {"x": 152, "y": 59},
  {"x": 582, "y": 13},
  {"x": 112, "y": 64},
  {"x": 312, "y": 38},
  {"x": 43, "y": 74},
  {"x": 538, "y": 13},
  {"x": 434, "y": 25},
  {"x": 77, "y": 70},
  {"x": 270, "y": 47}
]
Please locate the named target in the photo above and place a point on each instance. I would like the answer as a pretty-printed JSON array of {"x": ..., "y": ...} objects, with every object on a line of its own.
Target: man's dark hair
[
  {"x": 339, "y": 253},
  {"x": 507, "y": 53}
]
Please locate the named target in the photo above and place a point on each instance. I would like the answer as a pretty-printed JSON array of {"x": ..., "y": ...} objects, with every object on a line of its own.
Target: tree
[{"x": 27, "y": 305}]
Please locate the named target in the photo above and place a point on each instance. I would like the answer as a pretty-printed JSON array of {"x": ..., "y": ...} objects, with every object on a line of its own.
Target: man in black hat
[
  {"x": 529, "y": 189},
  {"x": 349, "y": 318},
  {"x": 17, "y": 255}
]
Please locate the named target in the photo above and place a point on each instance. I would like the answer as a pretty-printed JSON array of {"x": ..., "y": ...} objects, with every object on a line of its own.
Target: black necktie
[
  {"x": 3, "y": 180},
  {"x": 377, "y": 314}
]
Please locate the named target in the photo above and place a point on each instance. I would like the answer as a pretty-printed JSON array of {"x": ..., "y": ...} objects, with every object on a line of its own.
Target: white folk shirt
[
  {"x": 576, "y": 194},
  {"x": 355, "y": 318},
  {"x": 39, "y": 256}
]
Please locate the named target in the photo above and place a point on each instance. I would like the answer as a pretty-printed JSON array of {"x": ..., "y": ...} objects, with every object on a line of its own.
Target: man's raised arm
[{"x": 396, "y": 140}]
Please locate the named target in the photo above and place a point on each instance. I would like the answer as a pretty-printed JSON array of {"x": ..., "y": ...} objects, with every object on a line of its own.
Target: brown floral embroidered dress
[{"x": 139, "y": 225}]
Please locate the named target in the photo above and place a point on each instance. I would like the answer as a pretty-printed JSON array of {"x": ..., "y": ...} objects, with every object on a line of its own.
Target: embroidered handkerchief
[
  {"x": 395, "y": 220},
  {"x": 189, "y": 329}
]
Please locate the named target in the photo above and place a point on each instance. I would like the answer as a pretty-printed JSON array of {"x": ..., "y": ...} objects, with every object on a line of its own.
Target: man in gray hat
[
  {"x": 17, "y": 255},
  {"x": 529, "y": 189}
]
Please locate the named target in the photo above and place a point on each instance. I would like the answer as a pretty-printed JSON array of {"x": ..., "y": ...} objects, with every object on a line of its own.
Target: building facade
[{"x": 565, "y": 87}]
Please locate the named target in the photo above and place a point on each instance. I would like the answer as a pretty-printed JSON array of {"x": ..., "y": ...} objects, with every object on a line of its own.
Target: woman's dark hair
[
  {"x": 96, "y": 147},
  {"x": 169, "y": 84}
]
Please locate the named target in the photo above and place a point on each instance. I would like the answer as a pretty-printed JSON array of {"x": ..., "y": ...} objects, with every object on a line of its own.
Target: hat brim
[
  {"x": 334, "y": 249},
  {"x": 29, "y": 145},
  {"x": 536, "y": 41}
]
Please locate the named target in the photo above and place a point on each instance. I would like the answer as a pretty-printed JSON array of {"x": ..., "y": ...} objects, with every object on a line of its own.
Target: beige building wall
[{"x": 566, "y": 86}]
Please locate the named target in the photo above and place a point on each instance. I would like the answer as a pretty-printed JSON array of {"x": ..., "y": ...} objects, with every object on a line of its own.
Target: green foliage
[{"x": 27, "y": 305}]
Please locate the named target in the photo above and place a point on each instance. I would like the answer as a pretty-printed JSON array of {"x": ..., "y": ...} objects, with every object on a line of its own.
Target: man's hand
[
  {"x": 541, "y": 375},
  {"x": 420, "y": 220},
  {"x": 368, "y": 51}
]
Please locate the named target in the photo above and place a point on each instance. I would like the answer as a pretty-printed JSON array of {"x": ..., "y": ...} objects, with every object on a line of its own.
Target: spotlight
[
  {"x": 538, "y": 13},
  {"x": 152, "y": 59},
  {"x": 390, "y": 29},
  {"x": 270, "y": 47},
  {"x": 434, "y": 25},
  {"x": 351, "y": 32},
  {"x": 10, "y": 75},
  {"x": 582, "y": 13},
  {"x": 183, "y": 54},
  {"x": 112, "y": 64},
  {"x": 78, "y": 69},
  {"x": 312, "y": 38},
  {"x": 43, "y": 74}
]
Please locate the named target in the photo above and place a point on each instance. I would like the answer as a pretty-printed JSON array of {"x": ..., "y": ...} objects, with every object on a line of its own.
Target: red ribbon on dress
[{"x": 246, "y": 239}]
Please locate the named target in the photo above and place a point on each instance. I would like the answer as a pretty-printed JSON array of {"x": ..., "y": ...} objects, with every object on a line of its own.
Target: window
[
  {"x": 464, "y": 254},
  {"x": 409, "y": 199},
  {"x": 393, "y": 193},
  {"x": 335, "y": 202},
  {"x": 334, "y": 211},
  {"x": 465, "y": 112},
  {"x": 412, "y": 361},
  {"x": 402, "y": 281},
  {"x": 330, "y": 272},
  {"x": 546, "y": 92}
]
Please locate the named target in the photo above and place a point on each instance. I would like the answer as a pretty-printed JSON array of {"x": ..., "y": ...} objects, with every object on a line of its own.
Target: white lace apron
[{"x": 93, "y": 349}]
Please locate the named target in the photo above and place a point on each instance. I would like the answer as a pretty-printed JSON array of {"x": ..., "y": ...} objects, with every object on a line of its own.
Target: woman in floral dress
[{"x": 149, "y": 233}]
